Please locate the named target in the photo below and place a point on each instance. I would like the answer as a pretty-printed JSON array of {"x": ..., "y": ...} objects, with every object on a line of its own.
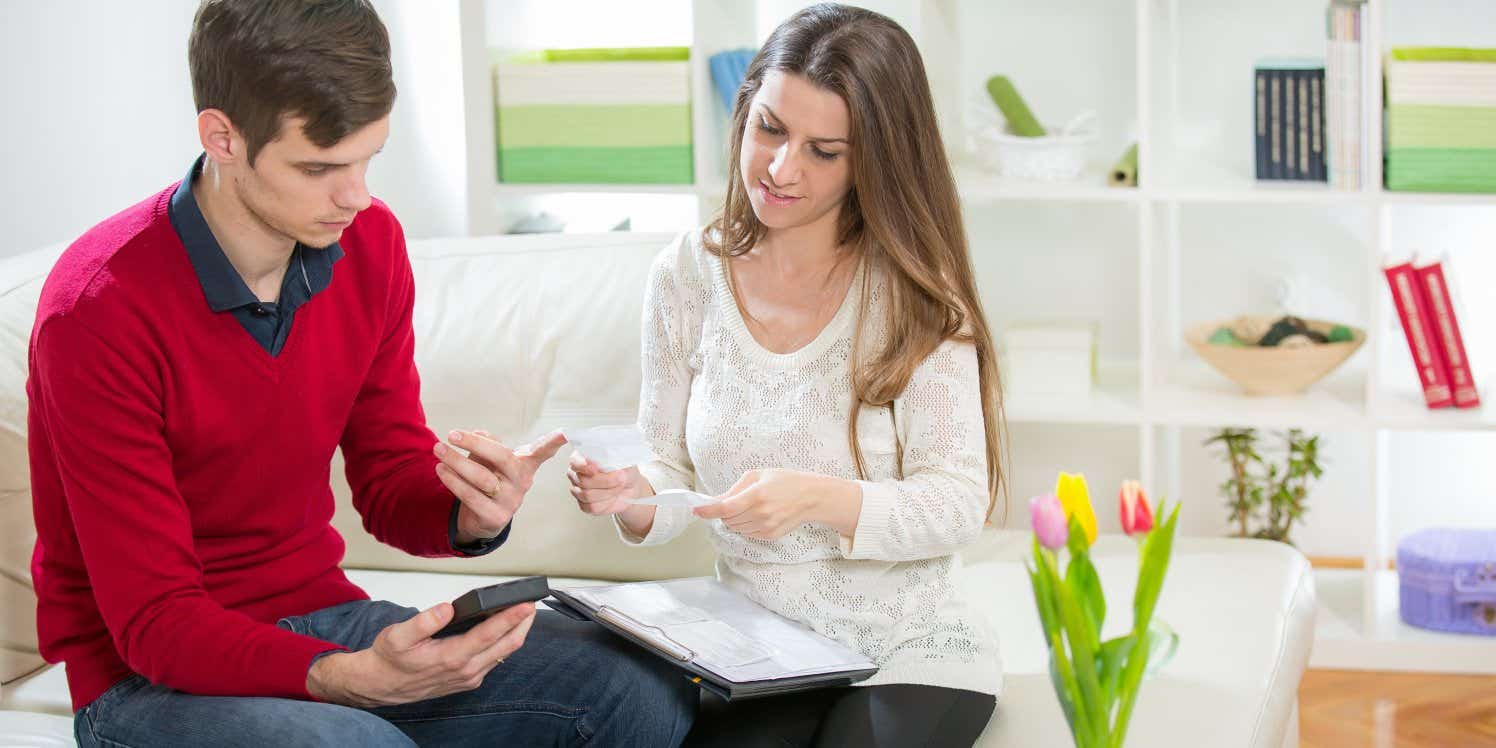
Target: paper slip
[
  {"x": 611, "y": 447},
  {"x": 676, "y": 497},
  {"x": 717, "y": 642}
]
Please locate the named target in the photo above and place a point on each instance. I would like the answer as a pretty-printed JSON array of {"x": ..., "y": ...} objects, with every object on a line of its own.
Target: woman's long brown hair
[{"x": 902, "y": 212}]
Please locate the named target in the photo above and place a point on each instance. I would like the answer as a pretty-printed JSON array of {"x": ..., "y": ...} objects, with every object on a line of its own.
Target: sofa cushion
[
  {"x": 20, "y": 286},
  {"x": 32, "y": 730}
]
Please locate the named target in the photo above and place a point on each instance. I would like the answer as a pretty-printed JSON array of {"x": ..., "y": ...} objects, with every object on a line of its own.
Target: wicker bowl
[{"x": 1274, "y": 370}]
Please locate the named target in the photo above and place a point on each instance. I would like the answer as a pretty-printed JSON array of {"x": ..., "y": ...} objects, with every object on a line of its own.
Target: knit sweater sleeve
[
  {"x": 941, "y": 504},
  {"x": 386, "y": 443},
  {"x": 103, "y": 416},
  {"x": 672, "y": 328}
]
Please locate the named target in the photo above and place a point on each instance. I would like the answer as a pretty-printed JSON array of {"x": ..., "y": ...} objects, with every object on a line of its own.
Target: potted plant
[{"x": 1265, "y": 498}]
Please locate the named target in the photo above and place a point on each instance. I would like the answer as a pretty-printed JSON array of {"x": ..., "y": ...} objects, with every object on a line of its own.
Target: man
[{"x": 195, "y": 361}]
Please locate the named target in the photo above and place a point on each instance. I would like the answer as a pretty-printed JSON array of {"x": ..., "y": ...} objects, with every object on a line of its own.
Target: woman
[{"x": 818, "y": 357}]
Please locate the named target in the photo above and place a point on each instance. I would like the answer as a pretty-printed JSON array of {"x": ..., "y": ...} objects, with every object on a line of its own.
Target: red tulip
[{"x": 1137, "y": 515}]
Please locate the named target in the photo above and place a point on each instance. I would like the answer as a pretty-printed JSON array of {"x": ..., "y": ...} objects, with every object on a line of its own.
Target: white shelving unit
[{"x": 1177, "y": 73}]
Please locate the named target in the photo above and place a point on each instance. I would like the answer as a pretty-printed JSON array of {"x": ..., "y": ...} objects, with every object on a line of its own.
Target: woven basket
[
  {"x": 1275, "y": 370},
  {"x": 1049, "y": 158}
]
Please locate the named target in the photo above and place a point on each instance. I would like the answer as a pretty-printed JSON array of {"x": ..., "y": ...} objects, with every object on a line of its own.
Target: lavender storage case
[{"x": 1447, "y": 580}]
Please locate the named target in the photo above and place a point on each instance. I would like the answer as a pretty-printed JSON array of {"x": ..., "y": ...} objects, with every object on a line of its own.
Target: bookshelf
[{"x": 1190, "y": 243}]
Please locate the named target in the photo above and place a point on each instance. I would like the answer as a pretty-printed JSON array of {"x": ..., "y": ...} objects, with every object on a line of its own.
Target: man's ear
[{"x": 219, "y": 137}]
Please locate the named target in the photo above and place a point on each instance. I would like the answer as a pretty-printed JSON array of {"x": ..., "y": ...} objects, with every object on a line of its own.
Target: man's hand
[
  {"x": 490, "y": 480},
  {"x": 406, "y": 665},
  {"x": 768, "y": 504}
]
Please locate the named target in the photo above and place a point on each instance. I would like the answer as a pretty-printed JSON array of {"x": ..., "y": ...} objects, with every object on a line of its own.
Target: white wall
[{"x": 99, "y": 114}]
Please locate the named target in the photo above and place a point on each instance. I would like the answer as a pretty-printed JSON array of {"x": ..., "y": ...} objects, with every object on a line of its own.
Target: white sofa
[{"x": 523, "y": 334}]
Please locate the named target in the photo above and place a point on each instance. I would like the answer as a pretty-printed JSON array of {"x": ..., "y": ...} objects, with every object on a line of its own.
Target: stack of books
[
  {"x": 1344, "y": 101},
  {"x": 1421, "y": 295},
  {"x": 599, "y": 116},
  {"x": 1290, "y": 119},
  {"x": 1441, "y": 119}
]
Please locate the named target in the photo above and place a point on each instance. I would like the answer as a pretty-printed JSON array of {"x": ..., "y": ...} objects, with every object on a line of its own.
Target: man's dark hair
[{"x": 324, "y": 61}]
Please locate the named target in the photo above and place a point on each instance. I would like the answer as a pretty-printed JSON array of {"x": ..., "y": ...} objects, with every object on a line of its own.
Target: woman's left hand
[{"x": 768, "y": 504}]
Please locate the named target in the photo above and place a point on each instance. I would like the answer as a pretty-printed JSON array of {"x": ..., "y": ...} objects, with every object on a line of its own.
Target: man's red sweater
[{"x": 180, "y": 474}]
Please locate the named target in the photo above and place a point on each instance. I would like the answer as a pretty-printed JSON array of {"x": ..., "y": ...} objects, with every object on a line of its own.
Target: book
[
  {"x": 1346, "y": 106},
  {"x": 723, "y": 641},
  {"x": 1275, "y": 124},
  {"x": 1316, "y": 133},
  {"x": 1434, "y": 284},
  {"x": 1289, "y": 100},
  {"x": 1412, "y": 311},
  {"x": 1259, "y": 113},
  {"x": 1290, "y": 124}
]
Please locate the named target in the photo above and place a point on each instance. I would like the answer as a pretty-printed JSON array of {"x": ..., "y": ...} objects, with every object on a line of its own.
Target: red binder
[
  {"x": 1428, "y": 358},
  {"x": 1434, "y": 284}
]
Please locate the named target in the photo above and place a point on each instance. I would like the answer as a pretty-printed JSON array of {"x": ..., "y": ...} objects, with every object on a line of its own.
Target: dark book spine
[
  {"x": 1301, "y": 77},
  {"x": 1275, "y": 123},
  {"x": 1259, "y": 112},
  {"x": 1290, "y": 125},
  {"x": 1317, "y": 125}
]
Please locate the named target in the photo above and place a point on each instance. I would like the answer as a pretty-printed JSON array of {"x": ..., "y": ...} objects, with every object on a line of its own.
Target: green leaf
[
  {"x": 1065, "y": 691},
  {"x": 1113, "y": 655},
  {"x": 1069, "y": 694},
  {"x": 1076, "y": 543},
  {"x": 1150, "y": 581},
  {"x": 1083, "y": 644},
  {"x": 1043, "y": 595},
  {"x": 1151, "y": 576},
  {"x": 1082, "y": 578}
]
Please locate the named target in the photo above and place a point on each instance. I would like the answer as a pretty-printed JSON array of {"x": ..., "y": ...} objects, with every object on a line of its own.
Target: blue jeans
[{"x": 572, "y": 683}]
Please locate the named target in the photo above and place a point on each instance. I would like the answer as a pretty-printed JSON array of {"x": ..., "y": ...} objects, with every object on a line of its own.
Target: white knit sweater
[{"x": 715, "y": 404}]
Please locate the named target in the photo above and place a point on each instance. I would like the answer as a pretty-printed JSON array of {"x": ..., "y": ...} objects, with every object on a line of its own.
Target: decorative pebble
[
  {"x": 1224, "y": 336},
  {"x": 1296, "y": 341},
  {"x": 1280, "y": 330},
  {"x": 1248, "y": 329}
]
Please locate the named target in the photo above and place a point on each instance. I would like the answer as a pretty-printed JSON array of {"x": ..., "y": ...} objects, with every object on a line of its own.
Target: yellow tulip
[{"x": 1076, "y": 500}]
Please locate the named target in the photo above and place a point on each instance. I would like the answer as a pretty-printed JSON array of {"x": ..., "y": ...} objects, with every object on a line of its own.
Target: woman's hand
[
  {"x": 602, "y": 493},
  {"x": 768, "y": 504}
]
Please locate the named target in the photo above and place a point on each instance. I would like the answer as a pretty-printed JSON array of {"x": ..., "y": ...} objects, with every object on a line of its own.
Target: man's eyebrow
[
  {"x": 327, "y": 164},
  {"x": 780, "y": 120}
]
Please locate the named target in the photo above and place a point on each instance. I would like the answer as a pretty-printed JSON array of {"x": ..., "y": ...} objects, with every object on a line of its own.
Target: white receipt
[
  {"x": 676, "y": 497},
  {"x": 611, "y": 447},
  {"x": 719, "y": 644}
]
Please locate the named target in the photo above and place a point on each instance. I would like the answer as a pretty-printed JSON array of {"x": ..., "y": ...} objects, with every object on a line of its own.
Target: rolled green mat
[
  {"x": 1020, "y": 120},
  {"x": 1125, "y": 172}
]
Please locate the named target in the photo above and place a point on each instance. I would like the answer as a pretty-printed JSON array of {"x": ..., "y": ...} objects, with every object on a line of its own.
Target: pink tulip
[
  {"x": 1050, "y": 525},
  {"x": 1137, "y": 515}
]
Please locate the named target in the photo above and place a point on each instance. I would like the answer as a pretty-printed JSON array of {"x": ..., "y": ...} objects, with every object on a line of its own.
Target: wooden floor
[{"x": 1346, "y": 709}]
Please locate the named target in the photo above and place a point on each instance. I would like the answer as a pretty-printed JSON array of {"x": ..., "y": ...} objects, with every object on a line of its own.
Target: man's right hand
[{"x": 406, "y": 665}]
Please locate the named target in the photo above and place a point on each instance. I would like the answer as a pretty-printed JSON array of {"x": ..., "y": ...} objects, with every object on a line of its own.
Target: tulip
[
  {"x": 1050, "y": 524},
  {"x": 1137, "y": 515},
  {"x": 1076, "y": 499}
]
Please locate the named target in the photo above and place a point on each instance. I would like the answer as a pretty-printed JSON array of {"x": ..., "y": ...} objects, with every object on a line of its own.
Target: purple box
[{"x": 1447, "y": 580}]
